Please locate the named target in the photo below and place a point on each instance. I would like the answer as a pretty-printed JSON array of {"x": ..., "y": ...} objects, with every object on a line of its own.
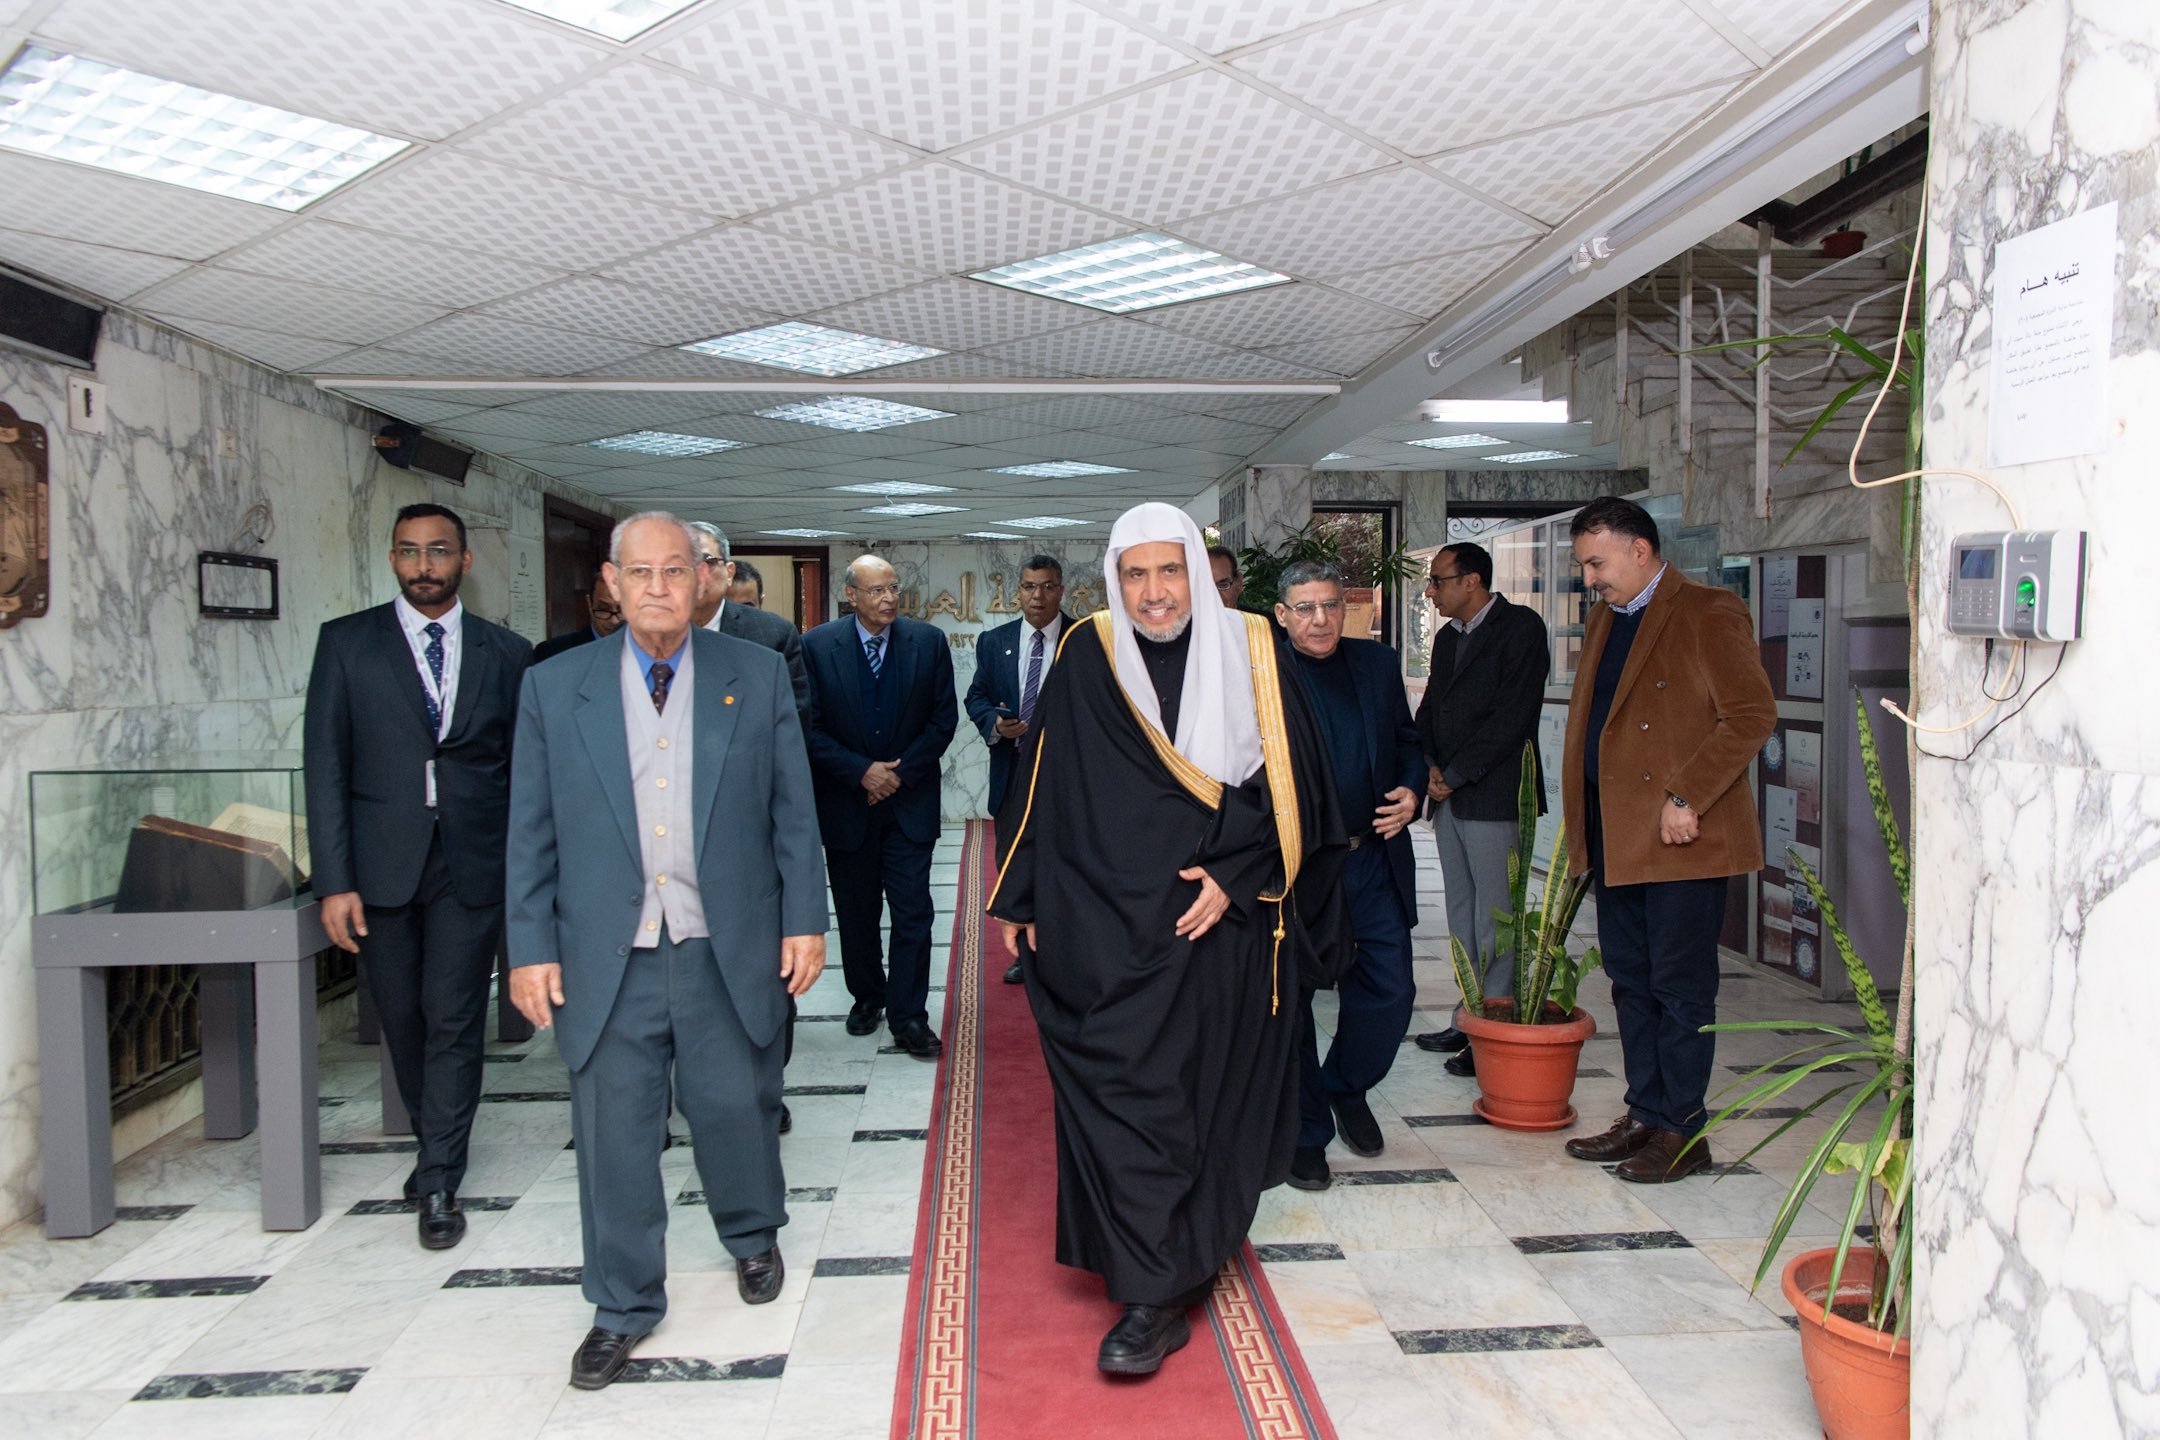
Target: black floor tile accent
[
  {"x": 1487, "y": 1339},
  {"x": 371, "y": 1147},
  {"x": 1738, "y": 975},
  {"x": 515, "y": 1057},
  {"x": 1787, "y": 1069},
  {"x": 820, "y": 1019},
  {"x": 250, "y": 1384},
  {"x": 515, "y": 1277},
  {"x": 825, "y": 1090},
  {"x": 863, "y": 1135},
  {"x": 1607, "y": 1241},
  {"x": 1429, "y": 1122},
  {"x": 1436, "y": 1176},
  {"x": 330, "y": 1102},
  {"x": 1593, "y": 1073},
  {"x": 1284, "y": 1254},
  {"x": 401, "y": 1206},
  {"x": 514, "y": 1097},
  {"x": 151, "y": 1212},
  {"x": 192, "y": 1288},
  {"x": 669, "y": 1368},
  {"x": 1715, "y": 1169},
  {"x": 813, "y": 1193},
  {"x": 832, "y": 1267}
]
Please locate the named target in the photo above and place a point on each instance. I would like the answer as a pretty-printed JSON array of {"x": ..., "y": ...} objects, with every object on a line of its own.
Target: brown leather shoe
[
  {"x": 1660, "y": 1162},
  {"x": 1626, "y": 1136}
]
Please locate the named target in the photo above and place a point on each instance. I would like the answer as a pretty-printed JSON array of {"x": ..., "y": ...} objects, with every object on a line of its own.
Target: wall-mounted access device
[{"x": 2018, "y": 584}]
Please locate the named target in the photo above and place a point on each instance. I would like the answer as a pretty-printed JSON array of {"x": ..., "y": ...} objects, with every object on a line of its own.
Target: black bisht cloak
[{"x": 1173, "y": 1062}]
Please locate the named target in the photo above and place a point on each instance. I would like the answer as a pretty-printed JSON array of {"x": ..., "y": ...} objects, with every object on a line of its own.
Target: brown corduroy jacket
[{"x": 1692, "y": 708}]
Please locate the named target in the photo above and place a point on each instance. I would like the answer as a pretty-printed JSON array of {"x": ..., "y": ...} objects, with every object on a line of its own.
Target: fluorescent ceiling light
[
  {"x": 1524, "y": 457},
  {"x": 1137, "y": 272},
  {"x": 616, "y": 19},
  {"x": 804, "y": 532},
  {"x": 1337, "y": 455},
  {"x": 1496, "y": 412},
  {"x": 665, "y": 442},
  {"x": 853, "y": 412},
  {"x": 1042, "y": 522},
  {"x": 896, "y": 487},
  {"x": 1455, "y": 442},
  {"x": 1062, "y": 469},
  {"x": 64, "y": 107},
  {"x": 912, "y": 507},
  {"x": 813, "y": 349},
  {"x": 989, "y": 535}
]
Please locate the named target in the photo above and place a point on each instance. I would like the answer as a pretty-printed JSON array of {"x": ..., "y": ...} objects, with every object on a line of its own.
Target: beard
[
  {"x": 431, "y": 592},
  {"x": 1163, "y": 635}
]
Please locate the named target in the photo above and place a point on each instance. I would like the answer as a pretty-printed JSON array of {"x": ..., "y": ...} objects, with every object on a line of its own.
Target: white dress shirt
[
  {"x": 1028, "y": 633},
  {"x": 415, "y": 626}
]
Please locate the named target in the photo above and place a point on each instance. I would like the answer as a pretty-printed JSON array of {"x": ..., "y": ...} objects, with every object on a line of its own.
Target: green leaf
[
  {"x": 1467, "y": 977},
  {"x": 1829, "y": 413},
  {"x": 1879, "y": 798},
  {"x": 1865, "y": 995}
]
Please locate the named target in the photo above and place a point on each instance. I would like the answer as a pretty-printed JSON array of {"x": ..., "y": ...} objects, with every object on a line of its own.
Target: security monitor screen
[{"x": 1976, "y": 564}]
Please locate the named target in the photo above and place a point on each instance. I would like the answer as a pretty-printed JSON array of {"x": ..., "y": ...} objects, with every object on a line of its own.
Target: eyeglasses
[
  {"x": 644, "y": 575},
  {"x": 875, "y": 592},
  {"x": 1434, "y": 582},
  {"x": 715, "y": 561},
  {"x": 1040, "y": 587},
  {"x": 1226, "y": 584},
  {"x": 409, "y": 553},
  {"x": 1306, "y": 609}
]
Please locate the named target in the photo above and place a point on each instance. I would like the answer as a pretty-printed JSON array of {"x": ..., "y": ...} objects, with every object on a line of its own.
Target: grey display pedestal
[{"x": 258, "y": 1054}]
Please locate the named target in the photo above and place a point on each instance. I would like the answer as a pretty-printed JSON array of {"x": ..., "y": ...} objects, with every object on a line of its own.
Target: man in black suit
[
  {"x": 747, "y": 589},
  {"x": 717, "y": 612},
  {"x": 881, "y": 686},
  {"x": 410, "y": 711},
  {"x": 1356, "y": 692},
  {"x": 1482, "y": 699},
  {"x": 1011, "y": 663},
  {"x": 605, "y": 614}
]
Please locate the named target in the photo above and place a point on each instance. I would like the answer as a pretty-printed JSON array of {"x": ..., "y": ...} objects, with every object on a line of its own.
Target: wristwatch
[{"x": 1677, "y": 801}]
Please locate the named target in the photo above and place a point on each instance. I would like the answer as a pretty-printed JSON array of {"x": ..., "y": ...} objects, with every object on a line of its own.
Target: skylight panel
[
  {"x": 1062, "y": 469},
  {"x": 1524, "y": 457},
  {"x": 1136, "y": 272},
  {"x": 895, "y": 487},
  {"x": 853, "y": 412},
  {"x": 666, "y": 442},
  {"x": 1041, "y": 522},
  {"x": 615, "y": 19},
  {"x": 913, "y": 507},
  {"x": 812, "y": 349},
  {"x": 64, "y": 107},
  {"x": 1456, "y": 442},
  {"x": 804, "y": 532}
]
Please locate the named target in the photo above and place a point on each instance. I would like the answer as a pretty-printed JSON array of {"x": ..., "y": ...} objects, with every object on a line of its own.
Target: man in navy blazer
[
  {"x": 882, "y": 711},
  {"x": 665, "y": 902},
  {"x": 1356, "y": 691}
]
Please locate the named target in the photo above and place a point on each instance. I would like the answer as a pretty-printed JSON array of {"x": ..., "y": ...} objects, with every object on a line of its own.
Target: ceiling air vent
[
  {"x": 410, "y": 448},
  {"x": 48, "y": 325}
]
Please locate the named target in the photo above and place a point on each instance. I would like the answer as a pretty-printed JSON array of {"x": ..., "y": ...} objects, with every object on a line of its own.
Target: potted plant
[
  {"x": 1853, "y": 1301},
  {"x": 1362, "y": 563},
  {"x": 1527, "y": 1044}
]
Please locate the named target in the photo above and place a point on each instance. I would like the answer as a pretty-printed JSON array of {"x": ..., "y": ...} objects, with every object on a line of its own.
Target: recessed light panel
[
  {"x": 1455, "y": 442},
  {"x": 896, "y": 487},
  {"x": 1042, "y": 522},
  {"x": 853, "y": 412},
  {"x": 989, "y": 535},
  {"x": 1138, "y": 272},
  {"x": 804, "y": 533},
  {"x": 616, "y": 19},
  {"x": 1337, "y": 455},
  {"x": 666, "y": 442},
  {"x": 812, "y": 349},
  {"x": 913, "y": 507},
  {"x": 67, "y": 108},
  {"x": 1062, "y": 469},
  {"x": 1524, "y": 457},
  {"x": 1496, "y": 412}
]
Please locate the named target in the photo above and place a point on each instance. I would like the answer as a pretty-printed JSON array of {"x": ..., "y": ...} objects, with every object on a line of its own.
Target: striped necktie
[
  {"x": 434, "y": 653},
  {"x": 874, "y": 648},
  {"x": 1034, "y": 680}
]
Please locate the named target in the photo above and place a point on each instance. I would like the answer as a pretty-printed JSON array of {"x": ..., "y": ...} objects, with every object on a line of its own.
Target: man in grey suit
[
  {"x": 713, "y": 608},
  {"x": 661, "y": 775}
]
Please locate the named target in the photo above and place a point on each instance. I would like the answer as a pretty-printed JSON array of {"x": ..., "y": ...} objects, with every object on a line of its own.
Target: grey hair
[
  {"x": 614, "y": 542},
  {"x": 1308, "y": 572},
  {"x": 847, "y": 576},
  {"x": 706, "y": 527}
]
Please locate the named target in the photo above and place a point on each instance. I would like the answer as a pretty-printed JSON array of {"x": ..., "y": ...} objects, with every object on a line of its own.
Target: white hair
[
  {"x": 622, "y": 527},
  {"x": 706, "y": 527}
]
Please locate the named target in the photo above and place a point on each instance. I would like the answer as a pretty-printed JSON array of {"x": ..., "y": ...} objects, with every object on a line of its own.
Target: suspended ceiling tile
[
  {"x": 1549, "y": 173},
  {"x": 992, "y": 428},
  {"x": 1439, "y": 74},
  {"x": 417, "y": 68},
  {"x": 1275, "y": 414},
  {"x": 1222, "y": 25},
  {"x": 421, "y": 408},
  {"x": 231, "y": 298},
  {"x": 1345, "y": 355},
  {"x": 627, "y": 312},
  {"x": 989, "y": 457},
  {"x": 74, "y": 202},
  {"x": 1083, "y": 445},
  {"x": 970, "y": 367},
  {"x": 595, "y": 462},
  {"x": 1361, "y": 223},
  {"x": 278, "y": 351},
  {"x": 1113, "y": 347},
  {"x": 319, "y": 252},
  {"x": 843, "y": 447},
  {"x": 1244, "y": 365},
  {"x": 930, "y": 73},
  {"x": 671, "y": 363},
  {"x": 1274, "y": 316},
  {"x": 1170, "y": 460},
  {"x": 101, "y": 270},
  {"x": 672, "y": 139},
  {"x": 1209, "y": 431},
  {"x": 1197, "y": 143},
  {"x": 771, "y": 272},
  {"x": 457, "y": 200},
  {"x": 487, "y": 340},
  {"x": 851, "y": 471},
  {"x": 619, "y": 408},
  {"x": 1086, "y": 412},
  {"x": 530, "y": 430},
  {"x": 1777, "y": 25},
  {"x": 937, "y": 218},
  {"x": 757, "y": 430},
  {"x": 954, "y": 314},
  {"x": 1430, "y": 286}
]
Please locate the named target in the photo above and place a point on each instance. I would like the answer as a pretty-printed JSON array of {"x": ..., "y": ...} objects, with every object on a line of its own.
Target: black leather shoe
[
  {"x": 1463, "y": 1063},
  {"x": 1012, "y": 973},
  {"x": 601, "y": 1358},
  {"x": 1308, "y": 1168},
  {"x": 412, "y": 1189},
  {"x": 1442, "y": 1042},
  {"x": 442, "y": 1224},
  {"x": 1142, "y": 1339},
  {"x": 758, "y": 1277},
  {"x": 787, "y": 1118},
  {"x": 1626, "y": 1136},
  {"x": 1354, "y": 1122},
  {"x": 863, "y": 1018},
  {"x": 916, "y": 1038}
]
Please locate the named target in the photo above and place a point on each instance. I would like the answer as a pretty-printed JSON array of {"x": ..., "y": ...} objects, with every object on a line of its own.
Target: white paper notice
[
  {"x": 1780, "y": 576},
  {"x": 1803, "y": 772},
  {"x": 1780, "y": 820},
  {"x": 2054, "y": 318},
  {"x": 1804, "y": 650}
]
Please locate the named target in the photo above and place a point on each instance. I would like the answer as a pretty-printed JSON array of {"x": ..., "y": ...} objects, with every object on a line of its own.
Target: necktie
[
  {"x": 1034, "y": 680},
  {"x": 662, "y": 674},
  {"x": 874, "y": 647},
  {"x": 434, "y": 653}
]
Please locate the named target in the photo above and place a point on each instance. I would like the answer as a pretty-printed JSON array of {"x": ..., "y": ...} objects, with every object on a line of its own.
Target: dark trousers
[
  {"x": 429, "y": 965},
  {"x": 672, "y": 1013},
  {"x": 1660, "y": 943},
  {"x": 1373, "y": 1001},
  {"x": 888, "y": 871}
]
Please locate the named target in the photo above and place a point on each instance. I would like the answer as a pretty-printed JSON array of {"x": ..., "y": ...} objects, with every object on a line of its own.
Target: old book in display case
[{"x": 172, "y": 865}]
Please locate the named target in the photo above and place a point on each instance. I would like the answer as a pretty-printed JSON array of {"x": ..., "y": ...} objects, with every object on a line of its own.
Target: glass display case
[{"x": 207, "y": 832}]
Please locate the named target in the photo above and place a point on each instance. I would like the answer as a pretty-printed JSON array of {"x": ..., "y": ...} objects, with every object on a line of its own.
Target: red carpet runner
[{"x": 1000, "y": 1339}]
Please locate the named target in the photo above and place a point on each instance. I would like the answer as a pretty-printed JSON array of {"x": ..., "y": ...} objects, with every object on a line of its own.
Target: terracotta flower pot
[
  {"x": 1843, "y": 244},
  {"x": 1860, "y": 1377},
  {"x": 1526, "y": 1073}
]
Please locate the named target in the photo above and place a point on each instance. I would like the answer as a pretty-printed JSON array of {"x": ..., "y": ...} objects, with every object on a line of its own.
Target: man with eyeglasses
[
  {"x": 665, "y": 903},
  {"x": 715, "y": 609},
  {"x": 410, "y": 711},
  {"x": 883, "y": 709},
  {"x": 1229, "y": 584},
  {"x": 603, "y": 613},
  {"x": 1482, "y": 698},
  {"x": 1356, "y": 692},
  {"x": 1011, "y": 664}
]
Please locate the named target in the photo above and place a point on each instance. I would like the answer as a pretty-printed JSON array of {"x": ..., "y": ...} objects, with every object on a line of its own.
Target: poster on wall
[
  {"x": 25, "y": 554},
  {"x": 1779, "y": 576},
  {"x": 1803, "y": 773},
  {"x": 1804, "y": 650},
  {"x": 2054, "y": 321}
]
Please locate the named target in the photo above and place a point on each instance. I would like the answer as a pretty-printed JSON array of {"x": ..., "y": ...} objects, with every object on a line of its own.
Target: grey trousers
[
  {"x": 673, "y": 1011},
  {"x": 1473, "y": 865}
]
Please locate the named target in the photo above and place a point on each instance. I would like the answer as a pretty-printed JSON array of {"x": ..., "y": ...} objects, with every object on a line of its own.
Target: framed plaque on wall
[{"x": 25, "y": 529}]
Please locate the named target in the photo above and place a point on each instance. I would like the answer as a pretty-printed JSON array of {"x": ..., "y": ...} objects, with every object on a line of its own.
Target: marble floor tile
[
  {"x": 266, "y": 1418},
  {"x": 1650, "y": 1292},
  {"x": 17, "y": 1311},
  {"x": 1390, "y": 1217},
  {"x": 215, "y": 1242},
  {"x": 531, "y": 1233},
  {"x": 470, "y": 1407},
  {"x": 311, "y": 1325},
  {"x": 815, "y": 1159},
  {"x": 30, "y": 1264},
  {"x": 524, "y": 1330},
  {"x": 820, "y": 1117},
  {"x": 61, "y": 1414},
  {"x": 1327, "y": 1302},
  {"x": 707, "y": 1320},
  {"x": 871, "y": 1223},
  {"x": 687, "y": 1410},
  {"x": 1581, "y": 1199},
  {"x": 1740, "y": 1259},
  {"x": 834, "y": 1402},
  {"x": 1581, "y": 1394},
  {"x": 1749, "y": 1384},
  {"x": 884, "y": 1167},
  {"x": 106, "y": 1344},
  {"x": 1458, "y": 1287},
  {"x": 1289, "y": 1216},
  {"x": 850, "y": 1322},
  {"x": 387, "y": 1247},
  {"x": 1372, "y": 1391}
]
